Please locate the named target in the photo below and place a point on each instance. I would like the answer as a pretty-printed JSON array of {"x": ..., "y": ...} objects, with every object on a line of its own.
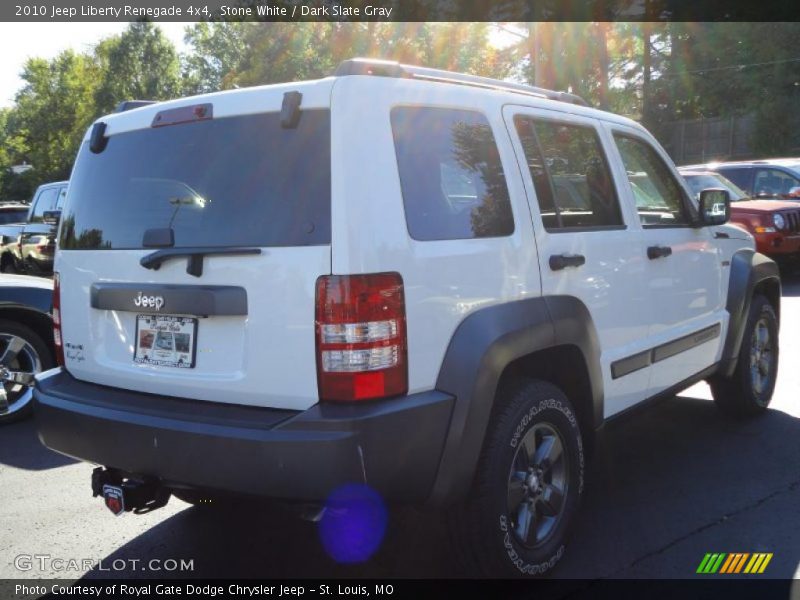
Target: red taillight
[
  {"x": 58, "y": 342},
  {"x": 361, "y": 337}
]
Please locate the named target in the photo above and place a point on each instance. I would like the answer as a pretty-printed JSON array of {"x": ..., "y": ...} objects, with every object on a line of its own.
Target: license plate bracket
[{"x": 166, "y": 341}]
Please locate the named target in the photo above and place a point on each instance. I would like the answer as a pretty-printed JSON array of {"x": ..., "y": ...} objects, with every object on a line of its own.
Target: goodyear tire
[
  {"x": 749, "y": 390},
  {"x": 527, "y": 488}
]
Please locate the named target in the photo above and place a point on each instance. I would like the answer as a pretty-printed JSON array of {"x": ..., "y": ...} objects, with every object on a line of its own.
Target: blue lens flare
[{"x": 354, "y": 523}]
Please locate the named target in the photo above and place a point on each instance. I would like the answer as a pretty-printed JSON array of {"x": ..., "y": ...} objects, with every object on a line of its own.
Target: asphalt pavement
[{"x": 666, "y": 486}]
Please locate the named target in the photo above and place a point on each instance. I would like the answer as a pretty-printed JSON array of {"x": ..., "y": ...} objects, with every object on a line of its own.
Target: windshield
[
  {"x": 236, "y": 181},
  {"x": 698, "y": 183}
]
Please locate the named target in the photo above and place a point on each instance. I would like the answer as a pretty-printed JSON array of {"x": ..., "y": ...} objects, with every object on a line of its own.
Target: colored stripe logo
[{"x": 733, "y": 563}]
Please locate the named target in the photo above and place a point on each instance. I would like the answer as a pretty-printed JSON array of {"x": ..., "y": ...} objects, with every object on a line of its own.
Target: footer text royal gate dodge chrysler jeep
[{"x": 435, "y": 285}]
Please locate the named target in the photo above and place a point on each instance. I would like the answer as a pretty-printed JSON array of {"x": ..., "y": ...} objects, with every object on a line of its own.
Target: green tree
[
  {"x": 216, "y": 55},
  {"x": 12, "y": 152},
  {"x": 225, "y": 55},
  {"x": 729, "y": 69},
  {"x": 52, "y": 113},
  {"x": 139, "y": 64}
]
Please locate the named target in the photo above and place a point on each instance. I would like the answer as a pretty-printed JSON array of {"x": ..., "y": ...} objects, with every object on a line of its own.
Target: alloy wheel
[{"x": 19, "y": 363}]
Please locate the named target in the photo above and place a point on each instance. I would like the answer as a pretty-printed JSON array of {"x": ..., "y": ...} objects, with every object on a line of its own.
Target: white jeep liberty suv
[{"x": 434, "y": 284}]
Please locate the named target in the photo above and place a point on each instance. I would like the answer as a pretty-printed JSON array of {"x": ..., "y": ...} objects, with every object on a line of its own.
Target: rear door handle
[
  {"x": 562, "y": 261},
  {"x": 654, "y": 252}
]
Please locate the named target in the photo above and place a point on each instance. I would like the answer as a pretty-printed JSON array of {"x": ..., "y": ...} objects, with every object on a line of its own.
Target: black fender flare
[
  {"x": 483, "y": 345},
  {"x": 748, "y": 270}
]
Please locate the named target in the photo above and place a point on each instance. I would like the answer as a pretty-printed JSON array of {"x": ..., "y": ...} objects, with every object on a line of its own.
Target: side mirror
[
  {"x": 715, "y": 207},
  {"x": 794, "y": 192},
  {"x": 51, "y": 217}
]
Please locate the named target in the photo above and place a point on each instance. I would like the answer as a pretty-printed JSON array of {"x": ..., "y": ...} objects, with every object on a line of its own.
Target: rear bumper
[{"x": 394, "y": 446}]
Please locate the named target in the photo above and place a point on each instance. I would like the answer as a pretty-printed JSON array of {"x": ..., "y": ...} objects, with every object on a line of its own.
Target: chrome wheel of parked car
[{"x": 20, "y": 361}]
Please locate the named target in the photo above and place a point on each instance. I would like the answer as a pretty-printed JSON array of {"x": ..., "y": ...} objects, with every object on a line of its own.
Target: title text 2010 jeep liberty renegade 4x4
[{"x": 432, "y": 284}]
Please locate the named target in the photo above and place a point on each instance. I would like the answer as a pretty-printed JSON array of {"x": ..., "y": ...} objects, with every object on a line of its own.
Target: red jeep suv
[{"x": 775, "y": 224}]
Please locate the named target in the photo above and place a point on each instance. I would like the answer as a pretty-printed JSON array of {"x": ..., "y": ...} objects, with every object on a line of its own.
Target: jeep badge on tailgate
[{"x": 149, "y": 301}]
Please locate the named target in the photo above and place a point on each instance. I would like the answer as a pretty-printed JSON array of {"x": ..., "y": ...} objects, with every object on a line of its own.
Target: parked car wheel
[
  {"x": 527, "y": 488},
  {"x": 749, "y": 391},
  {"x": 23, "y": 353}
]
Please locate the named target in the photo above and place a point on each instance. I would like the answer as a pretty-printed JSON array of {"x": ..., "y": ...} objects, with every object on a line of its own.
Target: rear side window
[
  {"x": 573, "y": 183},
  {"x": 450, "y": 174},
  {"x": 236, "y": 181},
  {"x": 45, "y": 201}
]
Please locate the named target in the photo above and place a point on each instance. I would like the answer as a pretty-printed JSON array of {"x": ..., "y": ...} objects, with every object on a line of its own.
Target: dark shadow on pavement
[
  {"x": 20, "y": 448},
  {"x": 676, "y": 469},
  {"x": 657, "y": 477},
  {"x": 790, "y": 279},
  {"x": 247, "y": 541}
]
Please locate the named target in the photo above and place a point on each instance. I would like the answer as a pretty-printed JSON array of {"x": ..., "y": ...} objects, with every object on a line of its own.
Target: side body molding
[
  {"x": 749, "y": 269},
  {"x": 483, "y": 345}
]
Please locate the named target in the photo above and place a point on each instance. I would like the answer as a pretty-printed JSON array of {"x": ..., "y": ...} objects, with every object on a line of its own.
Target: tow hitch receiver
[
  {"x": 125, "y": 494},
  {"x": 115, "y": 499}
]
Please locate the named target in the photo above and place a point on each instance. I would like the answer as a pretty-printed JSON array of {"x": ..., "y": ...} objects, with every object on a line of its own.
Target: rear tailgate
[{"x": 203, "y": 324}]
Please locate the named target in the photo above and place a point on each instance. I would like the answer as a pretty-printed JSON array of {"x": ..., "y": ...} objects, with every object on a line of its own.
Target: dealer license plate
[{"x": 166, "y": 341}]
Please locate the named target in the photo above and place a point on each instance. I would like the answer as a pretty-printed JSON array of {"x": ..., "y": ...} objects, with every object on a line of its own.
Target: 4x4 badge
[{"x": 149, "y": 301}]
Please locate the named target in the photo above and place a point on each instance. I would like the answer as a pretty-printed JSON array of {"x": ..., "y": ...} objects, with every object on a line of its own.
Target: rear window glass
[
  {"x": 236, "y": 181},
  {"x": 15, "y": 215},
  {"x": 450, "y": 173}
]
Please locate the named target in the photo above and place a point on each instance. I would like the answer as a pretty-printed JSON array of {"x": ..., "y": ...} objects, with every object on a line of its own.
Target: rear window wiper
[{"x": 194, "y": 265}]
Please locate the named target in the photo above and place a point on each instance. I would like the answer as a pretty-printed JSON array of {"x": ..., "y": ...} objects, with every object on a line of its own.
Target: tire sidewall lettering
[{"x": 524, "y": 424}]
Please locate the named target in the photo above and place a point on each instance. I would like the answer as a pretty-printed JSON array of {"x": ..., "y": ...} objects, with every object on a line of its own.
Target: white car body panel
[{"x": 268, "y": 357}]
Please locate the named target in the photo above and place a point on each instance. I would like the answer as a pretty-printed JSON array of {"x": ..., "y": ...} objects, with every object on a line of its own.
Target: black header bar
[{"x": 397, "y": 10}]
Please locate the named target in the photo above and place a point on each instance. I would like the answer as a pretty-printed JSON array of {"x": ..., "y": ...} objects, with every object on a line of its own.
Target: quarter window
[
  {"x": 450, "y": 173},
  {"x": 573, "y": 183},
  {"x": 659, "y": 198}
]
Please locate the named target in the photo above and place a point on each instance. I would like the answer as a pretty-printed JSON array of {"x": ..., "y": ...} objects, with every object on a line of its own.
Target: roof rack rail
[
  {"x": 131, "y": 104},
  {"x": 387, "y": 68}
]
